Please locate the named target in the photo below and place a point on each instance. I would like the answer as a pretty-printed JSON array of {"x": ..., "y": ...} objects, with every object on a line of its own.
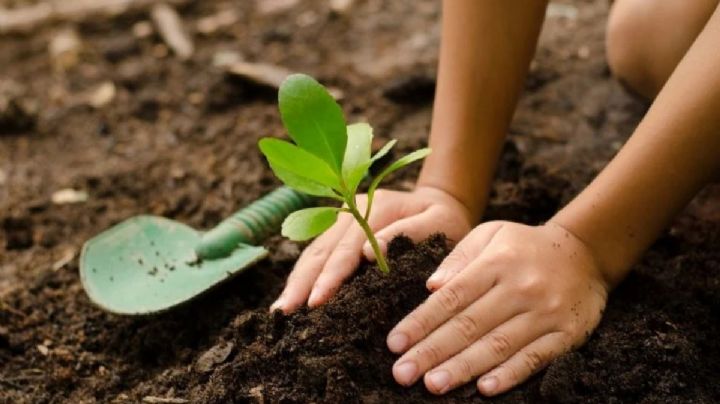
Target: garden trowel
[{"x": 148, "y": 264}]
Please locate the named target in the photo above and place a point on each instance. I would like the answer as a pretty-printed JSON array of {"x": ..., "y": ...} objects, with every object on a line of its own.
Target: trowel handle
[{"x": 252, "y": 224}]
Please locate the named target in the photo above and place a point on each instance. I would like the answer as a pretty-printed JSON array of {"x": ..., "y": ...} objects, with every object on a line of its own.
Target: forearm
[
  {"x": 673, "y": 153},
  {"x": 484, "y": 56}
]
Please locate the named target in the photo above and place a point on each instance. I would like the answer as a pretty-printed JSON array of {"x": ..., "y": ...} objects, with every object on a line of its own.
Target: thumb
[
  {"x": 416, "y": 227},
  {"x": 465, "y": 252}
]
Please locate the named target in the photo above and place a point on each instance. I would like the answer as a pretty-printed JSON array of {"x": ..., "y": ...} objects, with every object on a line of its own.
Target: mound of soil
[
  {"x": 333, "y": 354},
  {"x": 657, "y": 343}
]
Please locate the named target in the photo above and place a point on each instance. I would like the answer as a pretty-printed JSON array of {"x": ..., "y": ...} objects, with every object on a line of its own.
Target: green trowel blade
[{"x": 147, "y": 264}]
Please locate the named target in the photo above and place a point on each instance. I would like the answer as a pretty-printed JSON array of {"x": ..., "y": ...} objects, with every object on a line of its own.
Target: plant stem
[{"x": 379, "y": 257}]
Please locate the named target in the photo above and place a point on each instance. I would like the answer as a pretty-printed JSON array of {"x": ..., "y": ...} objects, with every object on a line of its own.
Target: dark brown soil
[{"x": 179, "y": 140}]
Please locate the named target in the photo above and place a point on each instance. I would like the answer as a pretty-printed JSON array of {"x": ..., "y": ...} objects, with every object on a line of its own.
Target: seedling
[{"x": 329, "y": 159}]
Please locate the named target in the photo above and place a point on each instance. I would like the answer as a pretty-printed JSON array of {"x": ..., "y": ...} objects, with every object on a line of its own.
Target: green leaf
[
  {"x": 357, "y": 154},
  {"x": 286, "y": 157},
  {"x": 383, "y": 151},
  {"x": 400, "y": 163},
  {"x": 353, "y": 179},
  {"x": 305, "y": 224},
  {"x": 302, "y": 184},
  {"x": 313, "y": 119}
]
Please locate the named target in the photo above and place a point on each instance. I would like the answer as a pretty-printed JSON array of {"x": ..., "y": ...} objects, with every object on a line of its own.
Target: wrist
[
  {"x": 612, "y": 260},
  {"x": 472, "y": 205},
  {"x": 582, "y": 256},
  {"x": 439, "y": 194}
]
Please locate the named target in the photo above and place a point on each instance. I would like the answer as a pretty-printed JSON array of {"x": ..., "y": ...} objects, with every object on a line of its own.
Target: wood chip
[
  {"x": 68, "y": 196},
  {"x": 65, "y": 259},
  {"x": 336, "y": 93},
  {"x": 170, "y": 26},
  {"x": 274, "y": 6},
  {"x": 25, "y": 19},
  {"x": 102, "y": 95},
  {"x": 224, "y": 59},
  {"x": 142, "y": 29},
  {"x": 259, "y": 73},
  {"x": 64, "y": 48},
  {"x": 163, "y": 400},
  {"x": 218, "y": 21},
  {"x": 257, "y": 393},
  {"x": 121, "y": 397},
  {"x": 341, "y": 6}
]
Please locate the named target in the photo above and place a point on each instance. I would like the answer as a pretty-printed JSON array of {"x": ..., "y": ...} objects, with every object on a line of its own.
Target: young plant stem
[{"x": 379, "y": 257}]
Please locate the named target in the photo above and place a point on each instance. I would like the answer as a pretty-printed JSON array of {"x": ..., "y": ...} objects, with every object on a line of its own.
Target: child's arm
[
  {"x": 486, "y": 49},
  {"x": 673, "y": 153},
  {"x": 484, "y": 56},
  {"x": 511, "y": 298}
]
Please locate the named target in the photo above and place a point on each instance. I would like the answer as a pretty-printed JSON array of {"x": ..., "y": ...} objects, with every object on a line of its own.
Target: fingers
[
  {"x": 342, "y": 261},
  {"x": 523, "y": 364},
  {"x": 464, "y": 253},
  {"x": 344, "y": 258},
  {"x": 455, "y": 335},
  {"x": 308, "y": 267},
  {"x": 451, "y": 299},
  {"x": 492, "y": 349},
  {"x": 416, "y": 227}
]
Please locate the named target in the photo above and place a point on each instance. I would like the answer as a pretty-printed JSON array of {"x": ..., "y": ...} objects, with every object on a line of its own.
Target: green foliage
[
  {"x": 400, "y": 163},
  {"x": 313, "y": 119},
  {"x": 307, "y": 223},
  {"x": 329, "y": 158},
  {"x": 357, "y": 155},
  {"x": 289, "y": 157}
]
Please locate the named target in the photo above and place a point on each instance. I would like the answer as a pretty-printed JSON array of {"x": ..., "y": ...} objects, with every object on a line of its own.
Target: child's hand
[
  {"x": 333, "y": 256},
  {"x": 509, "y": 299}
]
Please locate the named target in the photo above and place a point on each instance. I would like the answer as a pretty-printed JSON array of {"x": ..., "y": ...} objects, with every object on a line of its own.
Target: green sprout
[{"x": 329, "y": 159}]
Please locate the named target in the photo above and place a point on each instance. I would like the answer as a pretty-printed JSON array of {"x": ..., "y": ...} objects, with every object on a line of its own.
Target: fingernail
[
  {"x": 382, "y": 244},
  {"x": 278, "y": 305},
  {"x": 397, "y": 342},
  {"x": 439, "y": 380},
  {"x": 368, "y": 251},
  {"x": 488, "y": 385},
  {"x": 436, "y": 277},
  {"x": 405, "y": 373},
  {"x": 314, "y": 297}
]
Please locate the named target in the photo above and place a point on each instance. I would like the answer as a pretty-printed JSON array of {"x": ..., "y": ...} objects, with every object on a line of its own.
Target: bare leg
[{"x": 647, "y": 38}]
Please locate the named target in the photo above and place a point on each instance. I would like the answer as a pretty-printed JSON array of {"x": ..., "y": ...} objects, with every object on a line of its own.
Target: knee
[
  {"x": 627, "y": 46},
  {"x": 646, "y": 39}
]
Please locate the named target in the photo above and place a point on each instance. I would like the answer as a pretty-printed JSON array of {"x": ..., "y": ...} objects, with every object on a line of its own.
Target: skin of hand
[
  {"x": 508, "y": 299},
  {"x": 333, "y": 256},
  {"x": 512, "y": 297},
  {"x": 672, "y": 155}
]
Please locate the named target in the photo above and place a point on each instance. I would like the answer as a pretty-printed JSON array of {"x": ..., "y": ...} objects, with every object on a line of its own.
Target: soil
[{"x": 179, "y": 140}]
